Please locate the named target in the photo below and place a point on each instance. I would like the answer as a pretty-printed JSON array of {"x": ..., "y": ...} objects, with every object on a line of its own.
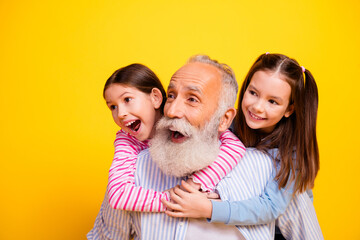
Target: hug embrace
[{"x": 188, "y": 165}]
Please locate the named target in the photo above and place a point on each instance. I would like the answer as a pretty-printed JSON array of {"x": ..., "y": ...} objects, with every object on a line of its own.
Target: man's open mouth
[
  {"x": 177, "y": 137},
  {"x": 134, "y": 125}
]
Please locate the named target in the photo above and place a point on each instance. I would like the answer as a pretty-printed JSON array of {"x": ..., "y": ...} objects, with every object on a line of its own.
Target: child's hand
[
  {"x": 209, "y": 195},
  {"x": 212, "y": 195},
  {"x": 193, "y": 184},
  {"x": 189, "y": 203}
]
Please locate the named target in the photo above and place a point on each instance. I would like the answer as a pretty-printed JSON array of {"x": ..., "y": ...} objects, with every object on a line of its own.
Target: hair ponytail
[{"x": 310, "y": 165}]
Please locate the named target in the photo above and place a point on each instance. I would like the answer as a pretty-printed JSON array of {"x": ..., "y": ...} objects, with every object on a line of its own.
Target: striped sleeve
[
  {"x": 122, "y": 192},
  {"x": 299, "y": 220},
  {"x": 231, "y": 151},
  {"x": 112, "y": 224}
]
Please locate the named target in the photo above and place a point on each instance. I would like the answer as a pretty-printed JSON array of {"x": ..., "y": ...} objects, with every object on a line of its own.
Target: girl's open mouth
[{"x": 134, "y": 125}]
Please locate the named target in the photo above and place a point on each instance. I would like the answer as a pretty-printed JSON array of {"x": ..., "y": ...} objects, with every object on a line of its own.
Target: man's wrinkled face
[
  {"x": 193, "y": 95},
  {"x": 186, "y": 139}
]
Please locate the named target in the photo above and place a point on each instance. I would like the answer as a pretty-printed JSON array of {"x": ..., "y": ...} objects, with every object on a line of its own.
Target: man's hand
[{"x": 189, "y": 203}]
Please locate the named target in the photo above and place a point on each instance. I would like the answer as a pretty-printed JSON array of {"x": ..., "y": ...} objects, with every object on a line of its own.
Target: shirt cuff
[{"x": 220, "y": 211}]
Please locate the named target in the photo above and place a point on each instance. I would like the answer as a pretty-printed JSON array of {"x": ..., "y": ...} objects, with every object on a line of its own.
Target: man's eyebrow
[
  {"x": 171, "y": 85},
  {"x": 188, "y": 88},
  {"x": 194, "y": 88}
]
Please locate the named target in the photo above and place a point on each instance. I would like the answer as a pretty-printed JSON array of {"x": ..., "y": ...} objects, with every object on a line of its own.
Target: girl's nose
[
  {"x": 122, "y": 113},
  {"x": 258, "y": 106}
]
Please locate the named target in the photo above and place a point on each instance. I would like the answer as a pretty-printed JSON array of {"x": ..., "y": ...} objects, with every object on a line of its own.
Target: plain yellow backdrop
[{"x": 57, "y": 134}]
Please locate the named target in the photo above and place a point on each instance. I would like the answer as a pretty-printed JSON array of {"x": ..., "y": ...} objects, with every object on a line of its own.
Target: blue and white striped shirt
[{"x": 248, "y": 179}]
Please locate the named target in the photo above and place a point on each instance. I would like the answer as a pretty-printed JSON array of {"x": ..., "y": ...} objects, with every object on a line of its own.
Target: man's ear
[
  {"x": 289, "y": 110},
  {"x": 156, "y": 97},
  {"x": 227, "y": 119}
]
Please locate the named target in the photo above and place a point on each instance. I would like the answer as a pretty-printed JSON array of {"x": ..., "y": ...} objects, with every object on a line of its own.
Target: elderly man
[{"x": 201, "y": 96}]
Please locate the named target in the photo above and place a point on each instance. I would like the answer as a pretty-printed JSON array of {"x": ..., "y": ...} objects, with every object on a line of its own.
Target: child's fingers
[
  {"x": 179, "y": 192},
  {"x": 176, "y": 195},
  {"x": 167, "y": 204},
  {"x": 171, "y": 206},
  {"x": 174, "y": 214},
  {"x": 188, "y": 187},
  {"x": 195, "y": 185},
  {"x": 212, "y": 195}
]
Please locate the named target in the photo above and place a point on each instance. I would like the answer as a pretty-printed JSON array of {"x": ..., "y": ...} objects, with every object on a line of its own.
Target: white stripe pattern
[
  {"x": 247, "y": 179},
  {"x": 299, "y": 220}
]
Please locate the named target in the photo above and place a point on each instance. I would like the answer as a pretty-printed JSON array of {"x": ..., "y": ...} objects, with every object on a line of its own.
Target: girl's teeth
[
  {"x": 256, "y": 117},
  {"x": 129, "y": 123}
]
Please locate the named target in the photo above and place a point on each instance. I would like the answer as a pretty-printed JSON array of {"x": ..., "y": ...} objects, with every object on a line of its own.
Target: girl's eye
[
  {"x": 273, "y": 102},
  {"x": 112, "y": 107},
  {"x": 127, "y": 99},
  {"x": 252, "y": 92}
]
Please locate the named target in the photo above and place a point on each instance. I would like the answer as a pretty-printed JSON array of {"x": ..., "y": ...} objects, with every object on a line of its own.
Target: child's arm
[
  {"x": 122, "y": 192},
  {"x": 231, "y": 151},
  {"x": 261, "y": 209},
  {"x": 257, "y": 210}
]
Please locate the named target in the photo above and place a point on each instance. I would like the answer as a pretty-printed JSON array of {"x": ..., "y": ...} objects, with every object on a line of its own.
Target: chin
[{"x": 197, "y": 150}]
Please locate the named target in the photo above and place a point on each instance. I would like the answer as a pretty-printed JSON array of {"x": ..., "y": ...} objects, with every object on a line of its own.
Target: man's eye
[
  {"x": 193, "y": 99},
  {"x": 171, "y": 96},
  {"x": 127, "y": 99}
]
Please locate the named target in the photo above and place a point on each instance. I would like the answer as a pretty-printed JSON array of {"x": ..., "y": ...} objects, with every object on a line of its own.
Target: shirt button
[{"x": 181, "y": 224}]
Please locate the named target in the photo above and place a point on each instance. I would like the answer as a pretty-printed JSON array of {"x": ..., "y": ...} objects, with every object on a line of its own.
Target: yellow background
[{"x": 57, "y": 134}]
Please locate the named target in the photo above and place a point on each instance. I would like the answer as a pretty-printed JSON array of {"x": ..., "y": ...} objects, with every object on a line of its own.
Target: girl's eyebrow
[
  {"x": 251, "y": 86},
  {"x": 274, "y": 97},
  {"x": 107, "y": 102}
]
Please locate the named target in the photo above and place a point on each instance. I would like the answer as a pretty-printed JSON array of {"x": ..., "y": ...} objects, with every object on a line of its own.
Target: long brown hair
[
  {"x": 295, "y": 136},
  {"x": 138, "y": 76}
]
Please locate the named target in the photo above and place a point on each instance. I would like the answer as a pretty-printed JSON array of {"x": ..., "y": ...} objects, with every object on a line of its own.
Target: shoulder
[
  {"x": 124, "y": 137},
  {"x": 256, "y": 161},
  {"x": 255, "y": 154},
  {"x": 121, "y": 133},
  {"x": 249, "y": 177},
  {"x": 121, "y": 136},
  {"x": 144, "y": 162},
  {"x": 144, "y": 154}
]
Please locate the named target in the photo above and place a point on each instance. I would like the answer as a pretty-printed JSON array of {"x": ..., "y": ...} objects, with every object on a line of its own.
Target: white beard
[{"x": 198, "y": 151}]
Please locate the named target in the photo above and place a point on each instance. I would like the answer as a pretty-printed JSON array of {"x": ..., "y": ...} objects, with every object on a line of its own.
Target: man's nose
[{"x": 174, "y": 109}]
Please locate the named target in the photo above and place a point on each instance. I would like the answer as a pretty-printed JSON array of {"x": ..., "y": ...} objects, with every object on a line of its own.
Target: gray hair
[{"x": 229, "y": 86}]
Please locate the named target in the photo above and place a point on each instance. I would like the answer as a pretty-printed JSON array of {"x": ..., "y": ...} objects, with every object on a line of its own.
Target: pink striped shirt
[{"x": 124, "y": 195}]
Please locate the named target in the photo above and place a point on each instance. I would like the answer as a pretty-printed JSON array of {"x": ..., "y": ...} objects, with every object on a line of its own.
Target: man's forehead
[{"x": 196, "y": 74}]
